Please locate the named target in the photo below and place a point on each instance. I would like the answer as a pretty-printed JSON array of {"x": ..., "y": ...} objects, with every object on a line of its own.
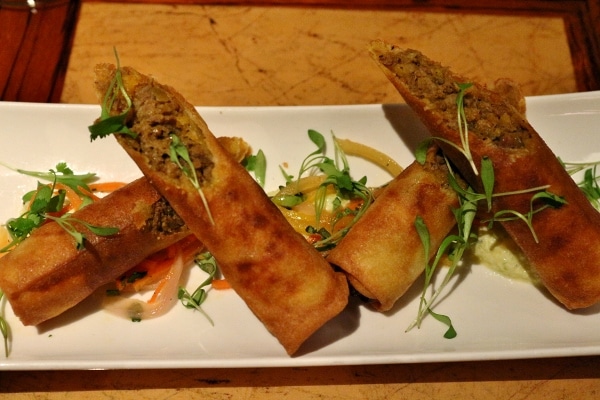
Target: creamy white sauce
[{"x": 497, "y": 251}]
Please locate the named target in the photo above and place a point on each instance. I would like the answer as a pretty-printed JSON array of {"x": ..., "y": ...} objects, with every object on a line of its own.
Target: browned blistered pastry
[
  {"x": 282, "y": 278},
  {"x": 382, "y": 254},
  {"x": 567, "y": 254},
  {"x": 46, "y": 274}
]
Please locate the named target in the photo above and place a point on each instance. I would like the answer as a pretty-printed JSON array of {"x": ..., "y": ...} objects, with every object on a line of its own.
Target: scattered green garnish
[
  {"x": 455, "y": 245},
  {"x": 207, "y": 263},
  {"x": 68, "y": 224},
  {"x": 258, "y": 165},
  {"x": 46, "y": 201},
  {"x": 4, "y": 327},
  {"x": 63, "y": 174},
  {"x": 288, "y": 200},
  {"x": 108, "y": 124},
  {"x": 337, "y": 174},
  {"x": 589, "y": 183},
  {"x": 463, "y": 129},
  {"x": 548, "y": 200},
  {"x": 463, "y": 126},
  {"x": 178, "y": 151}
]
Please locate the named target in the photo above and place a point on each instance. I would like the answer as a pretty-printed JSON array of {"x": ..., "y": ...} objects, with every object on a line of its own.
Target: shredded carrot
[
  {"x": 314, "y": 238},
  {"x": 88, "y": 193},
  {"x": 106, "y": 187},
  {"x": 220, "y": 284},
  {"x": 74, "y": 199},
  {"x": 156, "y": 266},
  {"x": 160, "y": 286}
]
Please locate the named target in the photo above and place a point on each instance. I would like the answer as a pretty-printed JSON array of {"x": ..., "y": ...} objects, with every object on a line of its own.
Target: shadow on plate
[
  {"x": 341, "y": 326},
  {"x": 407, "y": 124},
  {"x": 90, "y": 305},
  {"x": 592, "y": 310}
]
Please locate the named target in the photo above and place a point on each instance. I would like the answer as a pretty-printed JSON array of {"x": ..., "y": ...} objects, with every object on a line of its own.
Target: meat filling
[
  {"x": 164, "y": 219},
  {"x": 434, "y": 85},
  {"x": 157, "y": 118}
]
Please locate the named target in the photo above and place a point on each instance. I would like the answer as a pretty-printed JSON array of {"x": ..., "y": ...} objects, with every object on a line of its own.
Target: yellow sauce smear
[{"x": 495, "y": 250}]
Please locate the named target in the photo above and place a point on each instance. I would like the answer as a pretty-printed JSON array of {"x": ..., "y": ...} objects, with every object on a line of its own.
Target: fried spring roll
[
  {"x": 382, "y": 254},
  {"x": 282, "y": 278},
  {"x": 567, "y": 254},
  {"x": 46, "y": 274}
]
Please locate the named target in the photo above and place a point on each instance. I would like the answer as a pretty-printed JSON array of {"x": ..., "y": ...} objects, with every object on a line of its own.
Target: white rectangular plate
[{"x": 495, "y": 318}]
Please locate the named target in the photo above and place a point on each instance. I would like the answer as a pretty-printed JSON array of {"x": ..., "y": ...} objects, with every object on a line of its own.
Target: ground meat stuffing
[
  {"x": 435, "y": 84},
  {"x": 157, "y": 117},
  {"x": 164, "y": 219}
]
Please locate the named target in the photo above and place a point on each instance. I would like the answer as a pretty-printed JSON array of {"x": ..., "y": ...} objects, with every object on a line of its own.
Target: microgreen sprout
[
  {"x": 549, "y": 200},
  {"x": 337, "y": 174},
  {"x": 207, "y": 263},
  {"x": 288, "y": 178},
  {"x": 108, "y": 124},
  {"x": 463, "y": 129},
  {"x": 4, "y": 327},
  {"x": 46, "y": 202},
  {"x": 43, "y": 203},
  {"x": 258, "y": 165},
  {"x": 463, "y": 126},
  {"x": 589, "y": 183},
  {"x": 178, "y": 151},
  {"x": 68, "y": 224},
  {"x": 63, "y": 174},
  {"x": 455, "y": 245}
]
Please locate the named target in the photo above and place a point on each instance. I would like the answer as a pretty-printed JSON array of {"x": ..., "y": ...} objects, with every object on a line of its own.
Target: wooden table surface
[{"x": 253, "y": 55}]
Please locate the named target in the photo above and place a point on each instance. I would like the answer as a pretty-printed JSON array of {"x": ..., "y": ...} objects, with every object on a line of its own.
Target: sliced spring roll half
[
  {"x": 282, "y": 278},
  {"x": 382, "y": 254},
  {"x": 46, "y": 274},
  {"x": 565, "y": 249}
]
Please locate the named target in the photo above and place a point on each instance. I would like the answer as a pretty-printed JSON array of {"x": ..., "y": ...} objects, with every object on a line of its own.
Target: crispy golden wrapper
[
  {"x": 567, "y": 253},
  {"x": 282, "y": 278},
  {"x": 46, "y": 275},
  {"x": 382, "y": 254}
]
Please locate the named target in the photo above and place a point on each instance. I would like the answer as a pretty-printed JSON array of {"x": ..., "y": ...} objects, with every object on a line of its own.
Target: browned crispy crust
[
  {"x": 383, "y": 254},
  {"x": 567, "y": 257},
  {"x": 46, "y": 275},
  {"x": 283, "y": 280}
]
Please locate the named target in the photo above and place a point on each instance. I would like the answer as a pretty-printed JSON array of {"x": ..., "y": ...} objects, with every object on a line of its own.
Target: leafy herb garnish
[
  {"x": 589, "y": 183},
  {"x": 4, "y": 328},
  {"x": 258, "y": 165},
  {"x": 463, "y": 126},
  {"x": 463, "y": 129},
  {"x": 455, "y": 245},
  {"x": 46, "y": 202},
  {"x": 337, "y": 175},
  {"x": 108, "y": 124},
  {"x": 178, "y": 151},
  {"x": 63, "y": 174},
  {"x": 548, "y": 200},
  {"x": 207, "y": 263}
]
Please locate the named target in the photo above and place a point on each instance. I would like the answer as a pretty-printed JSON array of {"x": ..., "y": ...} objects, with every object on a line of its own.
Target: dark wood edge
[{"x": 581, "y": 18}]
